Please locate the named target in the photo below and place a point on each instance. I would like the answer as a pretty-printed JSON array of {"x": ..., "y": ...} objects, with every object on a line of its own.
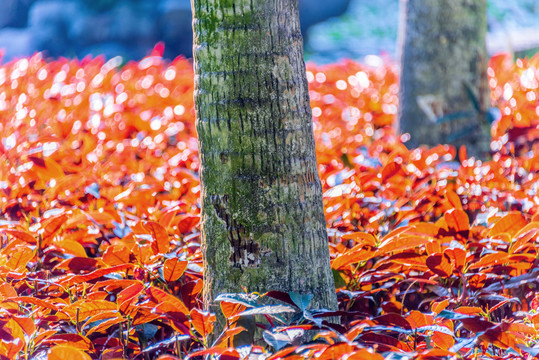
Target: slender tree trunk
[
  {"x": 263, "y": 225},
  {"x": 444, "y": 92}
]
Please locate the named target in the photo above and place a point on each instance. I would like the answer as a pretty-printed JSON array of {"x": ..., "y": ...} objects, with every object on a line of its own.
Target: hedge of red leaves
[{"x": 435, "y": 254}]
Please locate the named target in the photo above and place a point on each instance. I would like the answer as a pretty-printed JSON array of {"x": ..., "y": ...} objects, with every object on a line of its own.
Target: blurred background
[{"x": 130, "y": 28}]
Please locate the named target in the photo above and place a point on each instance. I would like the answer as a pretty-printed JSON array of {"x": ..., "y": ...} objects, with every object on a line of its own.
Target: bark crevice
[{"x": 245, "y": 251}]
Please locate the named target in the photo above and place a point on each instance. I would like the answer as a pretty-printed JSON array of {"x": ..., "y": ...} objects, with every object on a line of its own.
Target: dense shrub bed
[{"x": 434, "y": 253}]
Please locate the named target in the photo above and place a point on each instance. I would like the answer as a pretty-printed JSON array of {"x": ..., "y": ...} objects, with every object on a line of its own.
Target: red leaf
[
  {"x": 125, "y": 297},
  {"x": 78, "y": 264},
  {"x": 476, "y": 324},
  {"x": 70, "y": 280},
  {"x": 393, "y": 320}
]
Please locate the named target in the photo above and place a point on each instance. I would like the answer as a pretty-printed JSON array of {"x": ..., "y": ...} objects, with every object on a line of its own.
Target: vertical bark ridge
[{"x": 263, "y": 225}]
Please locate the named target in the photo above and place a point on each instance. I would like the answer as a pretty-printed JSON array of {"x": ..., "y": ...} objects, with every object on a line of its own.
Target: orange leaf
[
  {"x": 497, "y": 258},
  {"x": 20, "y": 257},
  {"x": 116, "y": 255},
  {"x": 12, "y": 339},
  {"x": 21, "y": 235},
  {"x": 453, "y": 199},
  {"x": 102, "y": 326},
  {"x": 457, "y": 257},
  {"x": 361, "y": 238},
  {"x": 65, "y": 352},
  {"x": 352, "y": 257},
  {"x": 173, "y": 269},
  {"x": 510, "y": 223},
  {"x": 457, "y": 220},
  {"x": 231, "y": 309},
  {"x": 51, "y": 226},
  {"x": 160, "y": 296},
  {"x": 442, "y": 340},
  {"x": 34, "y": 301},
  {"x": 391, "y": 169},
  {"x": 440, "y": 264},
  {"x": 47, "y": 168},
  {"x": 124, "y": 298},
  {"x": 26, "y": 323},
  {"x": 85, "y": 309},
  {"x": 437, "y": 307},
  {"x": 161, "y": 243},
  {"x": 202, "y": 321},
  {"x": 7, "y": 291},
  {"x": 401, "y": 243},
  {"x": 70, "y": 247},
  {"x": 73, "y": 340},
  {"x": 417, "y": 319}
]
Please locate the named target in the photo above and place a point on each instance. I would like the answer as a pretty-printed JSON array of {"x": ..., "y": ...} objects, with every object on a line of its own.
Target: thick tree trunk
[
  {"x": 263, "y": 225},
  {"x": 444, "y": 92}
]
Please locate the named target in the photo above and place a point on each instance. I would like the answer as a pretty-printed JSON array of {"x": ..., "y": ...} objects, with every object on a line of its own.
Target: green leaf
[
  {"x": 339, "y": 281},
  {"x": 147, "y": 331},
  {"x": 301, "y": 300}
]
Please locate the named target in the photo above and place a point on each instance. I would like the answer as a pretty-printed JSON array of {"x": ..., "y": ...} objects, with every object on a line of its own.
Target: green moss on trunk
[{"x": 263, "y": 225}]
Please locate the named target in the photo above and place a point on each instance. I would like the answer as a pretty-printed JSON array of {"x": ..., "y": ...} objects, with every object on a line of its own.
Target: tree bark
[
  {"x": 263, "y": 225},
  {"x": 444, "y": 94}
]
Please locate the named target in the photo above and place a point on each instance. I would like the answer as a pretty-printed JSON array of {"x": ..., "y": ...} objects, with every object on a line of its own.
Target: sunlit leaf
[
  {"x": 65, "y": 352},
  {"x": 173, "y": 269}
]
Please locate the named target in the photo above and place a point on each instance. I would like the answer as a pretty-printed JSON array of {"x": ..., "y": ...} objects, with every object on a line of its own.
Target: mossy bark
[
  {"x": 263, "y": 225},
  {"x": 444, "y": 92}
]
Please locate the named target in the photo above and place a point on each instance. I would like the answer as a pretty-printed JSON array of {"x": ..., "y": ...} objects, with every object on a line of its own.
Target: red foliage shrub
[{"x": 435, "y": 254}]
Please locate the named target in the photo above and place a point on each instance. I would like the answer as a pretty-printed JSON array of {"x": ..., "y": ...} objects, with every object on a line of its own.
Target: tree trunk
[
  {"x": 263, "y": 225},
  {"x": 444, "y": 94}
]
